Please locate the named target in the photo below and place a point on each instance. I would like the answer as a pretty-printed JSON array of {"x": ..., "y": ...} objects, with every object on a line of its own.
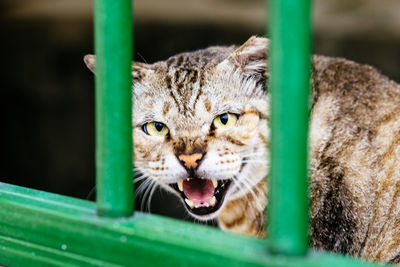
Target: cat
[{"x": 200, "y": 129}]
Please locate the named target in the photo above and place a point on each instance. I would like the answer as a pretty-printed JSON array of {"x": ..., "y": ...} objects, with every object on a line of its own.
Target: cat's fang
[
  {"x": 215, "y": 182},
  {"x": 180, "y": 185},
  {"x": 212, "y": 201},
  {"x": 190, "y": 203}
]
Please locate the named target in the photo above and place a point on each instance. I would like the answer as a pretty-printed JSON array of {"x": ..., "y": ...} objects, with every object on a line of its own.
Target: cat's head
[{"x": 200, "y": 124}]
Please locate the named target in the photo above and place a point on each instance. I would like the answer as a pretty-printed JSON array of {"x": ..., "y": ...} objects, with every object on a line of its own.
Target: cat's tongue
[{"x": 198, "y": 190}]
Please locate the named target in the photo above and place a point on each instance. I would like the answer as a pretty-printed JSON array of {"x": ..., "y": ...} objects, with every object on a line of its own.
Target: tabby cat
[{"x": 200, "y": 132}]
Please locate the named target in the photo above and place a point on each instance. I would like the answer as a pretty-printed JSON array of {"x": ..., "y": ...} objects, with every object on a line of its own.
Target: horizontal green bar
[{"x": 44, "y": 229}]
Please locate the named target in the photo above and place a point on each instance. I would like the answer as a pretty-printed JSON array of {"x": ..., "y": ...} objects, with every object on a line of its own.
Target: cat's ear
[
  {"x": 90, "y": 61},
  {"x": 139, "y": 70},
  {"x": 250, "y": 58}
]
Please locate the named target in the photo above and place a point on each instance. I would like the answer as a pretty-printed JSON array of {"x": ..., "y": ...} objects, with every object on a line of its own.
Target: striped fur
[{"x": 354, "y": 142}]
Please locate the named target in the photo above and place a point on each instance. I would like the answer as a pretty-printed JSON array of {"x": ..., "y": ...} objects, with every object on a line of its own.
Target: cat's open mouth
[{"x": 202, "y": 196}]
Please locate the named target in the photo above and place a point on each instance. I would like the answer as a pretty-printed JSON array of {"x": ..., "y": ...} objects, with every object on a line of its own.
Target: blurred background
[{"x": 46, "y": 103}]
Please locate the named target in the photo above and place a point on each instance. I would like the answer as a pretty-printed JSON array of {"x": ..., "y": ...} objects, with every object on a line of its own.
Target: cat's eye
[
  {"x": 155, "y": 128},
  {"x": 225, "y": 120}
]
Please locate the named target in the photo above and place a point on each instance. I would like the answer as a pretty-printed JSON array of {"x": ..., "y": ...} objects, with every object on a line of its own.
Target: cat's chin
[{"x": 203, "y": 198}]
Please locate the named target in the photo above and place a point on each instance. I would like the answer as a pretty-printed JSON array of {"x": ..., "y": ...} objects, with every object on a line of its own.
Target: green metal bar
[
  {"x": 43, "y": 229},
  {"x": 290, "y": 82},
  {"x": 113, "y": 46}
]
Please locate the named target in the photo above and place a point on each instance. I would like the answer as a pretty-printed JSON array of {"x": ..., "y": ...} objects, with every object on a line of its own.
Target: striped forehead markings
[
  {"x": 199, "y": 93},
  {"x": 168, "y": 83},
  {"x": 181, "y": 84}
]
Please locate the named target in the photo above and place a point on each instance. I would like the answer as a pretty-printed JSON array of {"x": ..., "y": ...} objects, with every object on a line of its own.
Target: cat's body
[
  {"x": 355, "y": 164},
  {"x": 200, "y": 131},
  {"x": 355, "y": 153}
]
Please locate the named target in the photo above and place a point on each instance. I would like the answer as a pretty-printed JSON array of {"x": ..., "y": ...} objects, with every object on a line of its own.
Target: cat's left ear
[
  {"x": 90, "y": 61},
  {"x": 250, "y": 58},
  {"x": 139, "y": 70}
]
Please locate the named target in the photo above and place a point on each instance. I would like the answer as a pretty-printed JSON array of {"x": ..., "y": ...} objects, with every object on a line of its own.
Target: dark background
[{"x": 47, "y": 103}]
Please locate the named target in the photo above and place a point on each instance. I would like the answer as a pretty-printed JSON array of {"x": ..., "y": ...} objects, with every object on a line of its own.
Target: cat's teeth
[
  {"x": 180, "y": 185},
  {"x": 187, "y": 179},
  {"x": 197, "y": 205},
  {"x": 215, "y": 182},
  {"x": 190, "y": 203},
  {"x": 206, "y": 204},
  {"x": 212, "y": 201}
]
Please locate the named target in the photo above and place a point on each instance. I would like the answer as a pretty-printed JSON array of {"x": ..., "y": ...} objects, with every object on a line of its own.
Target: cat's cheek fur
[
  {"x": 220, "y": 163},
  {"x": 155, "y": 158},
  {"x": 246, "y": 129}
]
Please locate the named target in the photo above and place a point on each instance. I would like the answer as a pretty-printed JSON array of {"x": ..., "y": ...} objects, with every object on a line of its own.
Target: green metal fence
[{"x": 43, "y": 229}]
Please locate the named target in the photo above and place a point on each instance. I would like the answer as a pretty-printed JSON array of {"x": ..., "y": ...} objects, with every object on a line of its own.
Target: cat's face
[{"x": 199, "y": 125}]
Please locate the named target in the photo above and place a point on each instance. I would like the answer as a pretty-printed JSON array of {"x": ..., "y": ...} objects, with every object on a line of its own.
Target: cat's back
[{"x": 355, "y": 151}]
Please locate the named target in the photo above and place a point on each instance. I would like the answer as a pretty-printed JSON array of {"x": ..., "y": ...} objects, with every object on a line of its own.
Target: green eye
[
  {"x": 155, "y": 128},
  {"x": 225, "y": 120}
]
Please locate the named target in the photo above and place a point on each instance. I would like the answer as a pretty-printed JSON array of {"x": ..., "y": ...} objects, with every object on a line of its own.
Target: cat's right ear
[{"x": 250, "y": 59}]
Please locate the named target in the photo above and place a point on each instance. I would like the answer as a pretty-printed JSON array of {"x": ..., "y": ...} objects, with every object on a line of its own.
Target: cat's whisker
[
  {"x": 254, "y": 161},
  {"x": 137, "y": 173},
  {"x": 243, "y": 182},
  {"x": 251, "y": 150},
  {"x": 259, "y": 206},
  {"x": 154, "y": 187},
  {"x": 143, "y": 199},
  {"x": 136, "y": 169},
  {"x": 140, "y": 178},
  {"x": 254, "y": 156},
  {"x": 142, "y": 187},
  {"x": 144, "y": 161},
  {"x": 146, "y": 194},
  {"x": 251, "y": 190},
  {"x": 252, "y": 208}
]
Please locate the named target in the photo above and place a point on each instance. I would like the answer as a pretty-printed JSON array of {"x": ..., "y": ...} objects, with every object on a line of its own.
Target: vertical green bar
[
  {"x": 113, "y": 46},
  {"x": 290, "y": 31}
]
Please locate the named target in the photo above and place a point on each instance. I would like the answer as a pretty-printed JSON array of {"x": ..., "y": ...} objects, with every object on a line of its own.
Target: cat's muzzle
[{"x": 202, "y": 196}]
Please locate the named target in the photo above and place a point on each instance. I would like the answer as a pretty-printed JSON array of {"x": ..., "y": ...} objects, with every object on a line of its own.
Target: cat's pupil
[
  {"x": 159, "y": 126},
  {"x": 224, "y": 118}
]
